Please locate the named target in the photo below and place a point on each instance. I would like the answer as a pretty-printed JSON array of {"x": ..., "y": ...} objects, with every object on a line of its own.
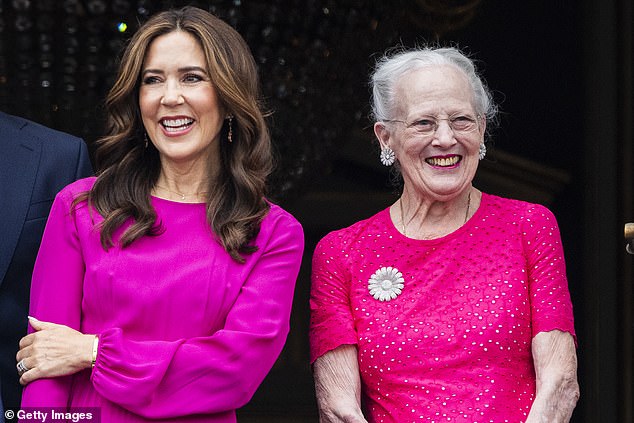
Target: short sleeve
[
  {"x": 551, "y": 307},
  {"x": 331, "y": 321}
]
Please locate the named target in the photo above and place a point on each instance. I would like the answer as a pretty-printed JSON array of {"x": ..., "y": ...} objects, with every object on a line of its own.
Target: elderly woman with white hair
[{"x": 451, "y": 304}]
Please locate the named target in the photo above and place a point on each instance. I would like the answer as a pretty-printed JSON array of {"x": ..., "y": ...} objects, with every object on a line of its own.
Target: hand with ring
[
  {"x": 53, "y": 350},
  {"x": 22, "y": 368}
]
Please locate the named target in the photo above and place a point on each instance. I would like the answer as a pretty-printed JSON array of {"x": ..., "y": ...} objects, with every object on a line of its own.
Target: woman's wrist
[
  {"x": 95, "y": 349},
  {"x": 89, "y": 356}
]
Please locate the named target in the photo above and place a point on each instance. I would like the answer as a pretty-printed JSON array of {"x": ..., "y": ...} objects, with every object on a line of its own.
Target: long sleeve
[
  {"x": 56, "y": 299},
  {"x": 216, "y": 373}
]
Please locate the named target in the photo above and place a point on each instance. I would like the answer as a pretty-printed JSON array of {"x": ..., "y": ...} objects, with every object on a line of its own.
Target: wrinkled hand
[{"x": 53, "y": 350}]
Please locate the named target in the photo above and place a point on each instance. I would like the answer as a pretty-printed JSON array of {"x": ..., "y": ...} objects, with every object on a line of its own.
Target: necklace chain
[
  {"x": 180, "y": 194},
  {"x": 403, "y": 225}
]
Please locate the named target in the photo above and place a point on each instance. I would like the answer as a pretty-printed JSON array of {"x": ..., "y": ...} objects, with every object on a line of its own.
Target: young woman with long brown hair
[{"x": 163, "y": 286}]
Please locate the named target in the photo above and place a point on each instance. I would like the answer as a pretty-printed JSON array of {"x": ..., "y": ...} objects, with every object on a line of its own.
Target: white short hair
[{"x": 396, "y": 63}]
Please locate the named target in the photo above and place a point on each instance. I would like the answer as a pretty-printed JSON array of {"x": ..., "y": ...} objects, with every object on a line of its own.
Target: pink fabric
[
  {"x": 186, "y": 333},
  {"x": 455, "y": 345}
]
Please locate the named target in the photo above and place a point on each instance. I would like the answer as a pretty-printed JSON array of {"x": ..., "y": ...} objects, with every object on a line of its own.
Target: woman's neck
[
  {"x": 185, "y": 185},
  {"x": 421, "y": 218}
]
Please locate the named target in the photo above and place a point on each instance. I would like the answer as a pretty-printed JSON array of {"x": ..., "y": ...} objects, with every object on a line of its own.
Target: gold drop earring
[{"x": 230, "y": 132}]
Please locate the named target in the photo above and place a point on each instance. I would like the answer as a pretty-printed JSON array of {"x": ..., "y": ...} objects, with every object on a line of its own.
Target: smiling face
[
  {"x": 441, "y": 164},
  {"x": 178, "y": 102}
]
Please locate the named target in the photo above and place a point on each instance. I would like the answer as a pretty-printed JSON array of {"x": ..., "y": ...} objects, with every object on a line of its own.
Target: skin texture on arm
[
  {"x": 555, "y": 361},
  {"x": 338, "y": 386}
]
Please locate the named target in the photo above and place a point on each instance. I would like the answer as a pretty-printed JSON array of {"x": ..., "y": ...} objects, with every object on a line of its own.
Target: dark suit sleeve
[{"x": 84, "y": 167}]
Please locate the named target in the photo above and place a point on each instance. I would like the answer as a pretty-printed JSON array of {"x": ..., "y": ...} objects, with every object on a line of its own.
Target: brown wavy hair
[{"x": 127, "y": 170}]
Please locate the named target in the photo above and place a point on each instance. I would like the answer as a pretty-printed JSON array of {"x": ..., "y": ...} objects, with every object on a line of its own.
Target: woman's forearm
[
  {"x": 338, "y": 386},
  {"x": 555, "y": 361}
]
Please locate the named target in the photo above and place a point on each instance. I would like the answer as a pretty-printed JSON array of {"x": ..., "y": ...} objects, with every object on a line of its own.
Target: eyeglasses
[{"x": 428, "y": 125}]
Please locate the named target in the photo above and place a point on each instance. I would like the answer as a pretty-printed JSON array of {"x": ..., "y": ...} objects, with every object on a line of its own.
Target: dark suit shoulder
[
  {"x": 59, "y": 150},
  {"x": 36, "y": 130}
]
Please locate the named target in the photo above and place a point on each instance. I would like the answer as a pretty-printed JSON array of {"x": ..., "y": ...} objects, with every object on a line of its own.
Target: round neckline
[
  {"x": 465, "y": 227},
  {"x": 166, "y": 200}
]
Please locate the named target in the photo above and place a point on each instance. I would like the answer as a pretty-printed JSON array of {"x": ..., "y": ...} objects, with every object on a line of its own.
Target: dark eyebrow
[
  {"x": 192, "y": 68},
  {"x": 150, "y": 71},
  {"x": 180, "y": 70}
]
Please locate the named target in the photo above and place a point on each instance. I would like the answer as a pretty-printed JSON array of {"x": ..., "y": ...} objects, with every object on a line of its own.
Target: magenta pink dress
[
  {"x": 186, "y": 333},
  {"x": 454, "y": 344}
]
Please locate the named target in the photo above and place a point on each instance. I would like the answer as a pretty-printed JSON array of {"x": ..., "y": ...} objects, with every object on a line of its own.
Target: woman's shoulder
[
  {"x": 361, "y": 229},
  {"x": 277, "y": 216},
  {"x": 78, "y": 187},
  {"x": 279, "y": 229},
  {"x": 513, "y": 209}
]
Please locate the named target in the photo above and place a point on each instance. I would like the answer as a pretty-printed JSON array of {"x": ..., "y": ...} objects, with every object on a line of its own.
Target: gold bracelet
[{"x": 95, "y": 347}]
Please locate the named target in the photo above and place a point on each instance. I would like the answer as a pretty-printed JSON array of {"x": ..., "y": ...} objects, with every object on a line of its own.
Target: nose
[
  {"x": 444, "y": 135},
  {"x": 172, "y": 95}
]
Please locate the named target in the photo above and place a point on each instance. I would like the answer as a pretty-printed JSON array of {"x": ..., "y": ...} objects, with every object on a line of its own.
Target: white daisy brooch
[{"x": 386, "y": 284}]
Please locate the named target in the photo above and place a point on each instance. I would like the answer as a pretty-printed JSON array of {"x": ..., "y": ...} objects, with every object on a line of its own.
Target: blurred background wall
[{"x": 560, "y": 70}]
